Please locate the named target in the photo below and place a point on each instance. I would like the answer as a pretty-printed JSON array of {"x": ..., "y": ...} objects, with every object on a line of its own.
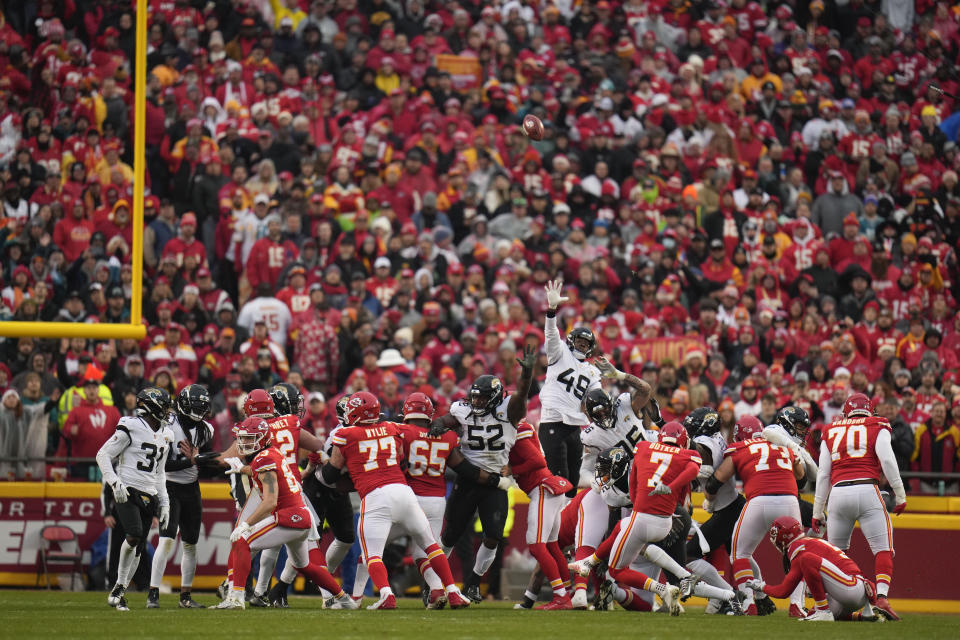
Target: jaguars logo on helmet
[
  {"x": 486, "y": 394},
  {"x": 703, "y": 421},
  {"x": 153, "y": 403},
  {"x": 612, "y": 465},
  {"x": 795, "y": 420},
  {"x": 287, "y": 400}
]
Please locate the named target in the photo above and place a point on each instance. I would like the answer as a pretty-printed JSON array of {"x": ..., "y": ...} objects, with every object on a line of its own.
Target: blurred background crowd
[{"x": 751, "y": 205}]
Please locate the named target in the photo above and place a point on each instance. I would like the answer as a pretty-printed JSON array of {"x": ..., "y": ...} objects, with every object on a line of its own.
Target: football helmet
[
  {"x": 153, "y": 403},
  {"x": 703, "y": 421},
  {"x": 747, "y": 427},
  {"x": 612, "y": 464},
  {"x": 363, "y": 408},
  {"x": 258, "y": 403},
  {"x": 193, "y": 402},
  {"x": 599, "y": 408},
  {"x": 418, "y": 406},
  {"x": 673, "y": 433},
  {"x": 252, "y": 435},
  {"x": 783, "y": 531},
  {"x": 857, "y": 405},
  {"x": 287, "y": 399},
  {"x": 581, "y": 333},
  {"x": 795, "y": 420},
  {"x": 486, "y": 394},
  {"x": 342, "y": 410}
]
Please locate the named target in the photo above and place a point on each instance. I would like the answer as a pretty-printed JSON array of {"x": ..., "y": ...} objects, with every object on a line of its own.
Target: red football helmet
[
  {"x": 857, "y": 405},
  {"x": 418, "y": 406},
  {"x": 783, "y": 531},
  {"x": 258, "y": 403},
  {"x": 674, "y": 433},
  {"x": 363, "y": 408},
  {"x": 747, "y": 427},
  {"x": 252, "y": 435}
]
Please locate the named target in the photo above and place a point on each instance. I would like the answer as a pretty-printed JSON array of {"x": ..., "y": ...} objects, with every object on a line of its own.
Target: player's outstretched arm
[
  {"x": 441, "y": 425},
  {"x": 463, "y": 467},
  {"x": 640, "y": 391},
  {"x": 554, "y": 345},
  {"x": 517, "y": 407}
]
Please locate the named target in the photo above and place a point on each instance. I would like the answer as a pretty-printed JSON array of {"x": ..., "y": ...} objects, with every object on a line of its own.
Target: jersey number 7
[
  {"x": 663, "y": 462},
  {"x": 372, "y": 449},
  {"x": 763, "y": 449}
]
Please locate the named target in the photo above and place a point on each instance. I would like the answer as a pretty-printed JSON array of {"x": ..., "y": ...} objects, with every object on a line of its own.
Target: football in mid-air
[{"x": 533, "y": 127}]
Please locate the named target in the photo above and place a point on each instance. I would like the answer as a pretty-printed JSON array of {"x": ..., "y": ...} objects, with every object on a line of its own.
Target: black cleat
[
  {"x": 736, "y": 605},
  {"x": 258, "y": 601},
  {"x": 153, "y": 598},
  {"x": 187, "y": 602},
  {"x": 223, "y": 590},
  {"x": 603, "y": 601},
  {"x": 765, "y": 606},
  {"x": 277, "y": 596},
  {"x": 425, "y": 596},
  {"x": 116, "y": 595},
  {"x": 472, "y": 592}
]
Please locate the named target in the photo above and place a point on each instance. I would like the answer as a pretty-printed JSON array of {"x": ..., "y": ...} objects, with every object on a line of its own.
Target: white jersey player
[
  {"x": 569, "y": 378},
  {"x": 612, "y": 424},
  {"x": 138, "y": 480},
  {"x": 487, "y": 424},
  {"x": 272, "y": 312}
]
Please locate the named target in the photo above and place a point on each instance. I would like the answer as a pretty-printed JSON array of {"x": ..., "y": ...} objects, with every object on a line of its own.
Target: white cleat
[
  {"x": 671, "y": 600},
  {"x": 579, "y": 599},
  {"x": 343, "y": 602},
  {"x": 824, "y": 615},
  {"x": 583, "y": 568},
  {"x": 231, "y": 602}
]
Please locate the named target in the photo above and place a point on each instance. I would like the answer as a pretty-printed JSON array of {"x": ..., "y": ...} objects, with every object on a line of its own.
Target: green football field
[{"x": 54, "y": 614}]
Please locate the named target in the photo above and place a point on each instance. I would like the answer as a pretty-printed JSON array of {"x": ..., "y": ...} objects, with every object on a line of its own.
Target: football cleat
[
  {"x": 818, "y": 615},
  {"x": 883, "y": 608},
  {"x": 687, "y": 585},
  {"x": 579, "y": 599},
  {"x": 765, "y": 606},
  {"x": 558, "y": 603},
  {"x": 116, "y": 594},
  {"x": 386, "y": 601},
  {"x": 526, "y": 604},
  {"x": 187, "y": 602},
  {"x": 344, "y": 602},
  {"x": 277, "y": 596},
  {"x": 473, "y": 593},
  {"x": 603, "y": 601},
  {"x": 796, "y": 611},
  {"x": 231, "y": 602},
  {"x": 457, "y": 600},
  {"x": 223, "y": 590},
  {"x": 258, "y": 600},
  {"x": 671, "y": 599},
  {"x": 153, "y": 598},
  {"x": 122, "y": 605},
  {"x": 436, "y": 599},
  {"x": 736, "y": 604},
  {"x": 582, "y": 567},
  {"x": 716, "y": 607},
  {"x": 425, "y": 597}
]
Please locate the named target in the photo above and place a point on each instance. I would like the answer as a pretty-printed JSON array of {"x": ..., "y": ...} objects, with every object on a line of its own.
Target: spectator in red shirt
[{"x": 88, "y": 426}]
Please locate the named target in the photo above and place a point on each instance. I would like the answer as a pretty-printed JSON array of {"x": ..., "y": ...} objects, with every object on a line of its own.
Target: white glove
[
  {"x": 707, "y": 505},
  {"x": 119, "y": 491},
  {"x": 554, "y": 295},
  {"x": 755, "y": 584},
  {"x": 164, "y": 516},
  {"x": 236, "y": 465},
  {"x": 661, "y": 490},
  {"x": 242, "y": 530},
  {"x": 705, "y": 472},
  {"x": 505, "y": 483},
  {"x": 607, "y": 370}
]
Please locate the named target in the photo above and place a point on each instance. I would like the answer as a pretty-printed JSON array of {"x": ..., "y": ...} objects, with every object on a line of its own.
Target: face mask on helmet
[{"x": 602, "y": 416}]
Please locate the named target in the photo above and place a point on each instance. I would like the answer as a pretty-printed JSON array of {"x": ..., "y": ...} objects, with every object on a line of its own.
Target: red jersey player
[
  {"x": 855, "y": 456},
  {"x": 546, "y": 491},
  {"x": 769, "y": 474},
  {"x": 280, "y": 518},
  {"x": 370, "y": 451},
  {"x": 659, "y": 479},
  {"x": 839, "y": 588}
]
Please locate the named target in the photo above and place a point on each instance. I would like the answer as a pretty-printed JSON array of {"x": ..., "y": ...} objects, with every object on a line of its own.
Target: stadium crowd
[{"x": 340, "y": 196}]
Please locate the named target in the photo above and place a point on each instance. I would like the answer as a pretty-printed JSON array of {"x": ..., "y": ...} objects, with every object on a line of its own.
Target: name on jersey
[{"x": 373, "y": 433}]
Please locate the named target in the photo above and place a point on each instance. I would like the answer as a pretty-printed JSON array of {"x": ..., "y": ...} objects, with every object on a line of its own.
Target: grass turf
[{"x": 49, "y": 614}]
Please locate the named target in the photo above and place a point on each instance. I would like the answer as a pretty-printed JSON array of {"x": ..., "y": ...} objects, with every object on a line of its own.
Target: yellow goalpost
[{"x": 135, "y": 329}]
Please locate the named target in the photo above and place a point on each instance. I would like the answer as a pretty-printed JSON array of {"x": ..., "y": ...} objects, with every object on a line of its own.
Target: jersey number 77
[{"x": 372, "y": 450}]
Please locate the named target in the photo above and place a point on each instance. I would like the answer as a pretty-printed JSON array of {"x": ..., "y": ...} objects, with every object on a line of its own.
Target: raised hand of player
[
  {"x": 607, "y": 370},
  {"x": 529, "y": 357},
  {"x": 661, "y": 490},
  {"x": 900, "y": 507},
  {"x": 653, "y": 410},
  {"x": 242, "y": 530},
  {"x": 755, "y": 584},
  {"x": 554, "y": 290}
]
